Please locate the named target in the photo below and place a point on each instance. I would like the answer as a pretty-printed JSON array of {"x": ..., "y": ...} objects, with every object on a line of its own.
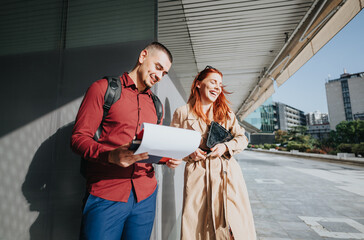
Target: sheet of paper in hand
[
  {"x": 217, "y": 134},
  {"x": 163, "y": 142}
]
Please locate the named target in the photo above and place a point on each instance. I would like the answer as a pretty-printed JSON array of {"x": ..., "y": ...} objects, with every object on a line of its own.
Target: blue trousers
[{"x": 109, "y": 220}]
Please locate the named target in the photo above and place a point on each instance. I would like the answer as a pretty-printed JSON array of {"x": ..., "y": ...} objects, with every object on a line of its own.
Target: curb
[{"x": 322, "y": 157}]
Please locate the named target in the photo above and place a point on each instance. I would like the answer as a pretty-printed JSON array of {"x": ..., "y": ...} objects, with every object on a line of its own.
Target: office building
[
  {"x": 318, "y": 125},
  {"x": 319, "y": 131},
  {"x": 271, "y": 116},
  {"x": 345, "y": 98},
  {"x": 316, "y": 118},
  {"x": 289, "y": 117},
  {"x": 264, "y": 118}
]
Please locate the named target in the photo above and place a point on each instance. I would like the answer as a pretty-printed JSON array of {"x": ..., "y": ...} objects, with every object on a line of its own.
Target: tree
[
  {"x": 350, "y": 132},
  {"x": 331, "y": 141},
  {"x": 299, "y": 134},
  {"x": 281, "y": 137},
  {"x": 295, "y": 138},
  {"x": 298, "y": 130},
  {"x": 347, "y": 133}
]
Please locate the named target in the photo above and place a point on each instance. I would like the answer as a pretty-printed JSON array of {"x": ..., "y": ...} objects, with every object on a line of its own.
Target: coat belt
[{"x": 209, "y": 186}]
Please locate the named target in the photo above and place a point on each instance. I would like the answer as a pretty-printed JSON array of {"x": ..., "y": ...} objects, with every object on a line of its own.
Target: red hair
[{"x": 220, "y": 108}]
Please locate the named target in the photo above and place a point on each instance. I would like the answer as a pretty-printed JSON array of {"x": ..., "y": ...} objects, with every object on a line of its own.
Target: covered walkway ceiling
[{"x": 253, "y": 43}]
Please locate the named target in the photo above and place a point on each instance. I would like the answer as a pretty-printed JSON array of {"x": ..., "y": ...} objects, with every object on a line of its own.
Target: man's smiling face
[{"x": 154, "y": 65}]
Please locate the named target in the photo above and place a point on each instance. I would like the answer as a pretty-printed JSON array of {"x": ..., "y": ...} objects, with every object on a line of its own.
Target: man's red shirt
[{"x": 123, "y": 122}]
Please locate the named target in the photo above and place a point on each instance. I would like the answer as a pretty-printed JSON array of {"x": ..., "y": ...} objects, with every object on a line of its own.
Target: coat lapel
[
  {"x": 193, "y": 121},
  {"x": 196, "y": 124}
]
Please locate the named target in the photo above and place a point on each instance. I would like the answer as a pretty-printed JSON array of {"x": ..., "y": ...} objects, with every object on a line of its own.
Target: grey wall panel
[
  {"x": 38, "y": 167},
  {"x": 54, "y": 188},
  {"x": 35, "y": 84},
  {"x": 170, "y": 192},
  {"x": 43, "y": 83},
  {"x": 29, "y": 88},
  {"x": 82, "y": 66},
  {"x": 42, "y": 190},
  {"x": 43, "y": 80}
]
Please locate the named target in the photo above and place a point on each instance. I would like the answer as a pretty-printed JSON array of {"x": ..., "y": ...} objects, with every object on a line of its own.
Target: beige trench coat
[{"x": 215, "y": 194}]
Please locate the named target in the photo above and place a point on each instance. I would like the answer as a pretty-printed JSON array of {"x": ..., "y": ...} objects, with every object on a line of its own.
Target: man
[{"x": 122, "y": 192}]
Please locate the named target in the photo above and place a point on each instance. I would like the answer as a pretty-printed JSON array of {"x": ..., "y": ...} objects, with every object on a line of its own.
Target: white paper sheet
[{"x": 168, "y": 142}]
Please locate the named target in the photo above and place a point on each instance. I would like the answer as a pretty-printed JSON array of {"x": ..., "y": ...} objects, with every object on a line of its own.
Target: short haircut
[{"x": 160, "y": 47}]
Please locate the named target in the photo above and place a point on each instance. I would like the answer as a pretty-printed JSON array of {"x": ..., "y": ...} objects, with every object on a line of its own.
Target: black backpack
[{"x": 113, "y": 94}]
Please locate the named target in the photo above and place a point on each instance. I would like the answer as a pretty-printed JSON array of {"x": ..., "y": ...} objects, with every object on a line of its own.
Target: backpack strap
[
  {"x": 158, "y": 107},
  {"x": 112, "y": 94}
]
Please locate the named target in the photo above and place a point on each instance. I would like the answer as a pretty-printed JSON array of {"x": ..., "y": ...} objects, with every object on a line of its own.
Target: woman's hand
[
  {"x": 197, "y": 155},
  {"x": 218, "y": 150}
]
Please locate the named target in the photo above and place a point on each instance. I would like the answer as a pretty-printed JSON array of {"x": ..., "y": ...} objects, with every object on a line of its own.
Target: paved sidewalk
[{"x": 295, "y": 198}]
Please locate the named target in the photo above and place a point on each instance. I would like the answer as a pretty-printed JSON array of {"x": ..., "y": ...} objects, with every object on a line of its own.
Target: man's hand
[
  {"x": 124, "y": 157},
  {"x": 218, "y": 150},
  {"x": 198, "y": 155},
  {"x": 173, "y": 163}
]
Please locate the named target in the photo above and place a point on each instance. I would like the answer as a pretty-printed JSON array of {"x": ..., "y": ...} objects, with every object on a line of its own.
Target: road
[{"x": 295, "y": 198}]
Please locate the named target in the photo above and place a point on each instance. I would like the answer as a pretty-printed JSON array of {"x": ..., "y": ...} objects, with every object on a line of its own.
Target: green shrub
[
  {"x": 292, "y": 146},
  {"x": 273, "y": 146},
  {"x": 302, "y": 147},
  {"x": 345, "y": 147},
  {"x": 333, "y": 152},
  {"x": 358, "y": 149},
  {"x": 269, "y": 146}
]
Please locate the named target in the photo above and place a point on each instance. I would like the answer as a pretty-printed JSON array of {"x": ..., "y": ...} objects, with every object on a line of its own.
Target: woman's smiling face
[{"x": 210, "y": 88}]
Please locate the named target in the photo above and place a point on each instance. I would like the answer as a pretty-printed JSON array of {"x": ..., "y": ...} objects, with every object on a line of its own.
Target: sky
[{"x": 305, "y": 90}]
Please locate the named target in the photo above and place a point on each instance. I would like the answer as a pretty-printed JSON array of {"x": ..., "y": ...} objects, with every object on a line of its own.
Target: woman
[{"x": 216, "y": 203}]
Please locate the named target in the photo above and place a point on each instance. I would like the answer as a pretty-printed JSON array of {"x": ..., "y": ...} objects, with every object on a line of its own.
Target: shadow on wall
[
  {"x": 55, "y": 188},
  {"x": 57, "y": 82}
]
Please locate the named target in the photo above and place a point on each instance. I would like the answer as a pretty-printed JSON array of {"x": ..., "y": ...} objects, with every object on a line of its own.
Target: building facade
[
  {"x": 289, "y": 117},
  {"x": 271, "y": 116},
  {"x": 265, "y": 117},
  {"x": 319, "y": 131},
  {"x": 316, "y": 117},
  {"x": 318, "y": 125},
  {"x": 345, "y": 98}
]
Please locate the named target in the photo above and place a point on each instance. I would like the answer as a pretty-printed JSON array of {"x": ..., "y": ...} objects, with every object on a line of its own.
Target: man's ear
[{"x": 142, "y": 56}]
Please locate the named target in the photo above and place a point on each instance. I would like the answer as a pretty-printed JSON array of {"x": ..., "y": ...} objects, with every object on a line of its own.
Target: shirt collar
[{"x": 128, "y": 82}]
